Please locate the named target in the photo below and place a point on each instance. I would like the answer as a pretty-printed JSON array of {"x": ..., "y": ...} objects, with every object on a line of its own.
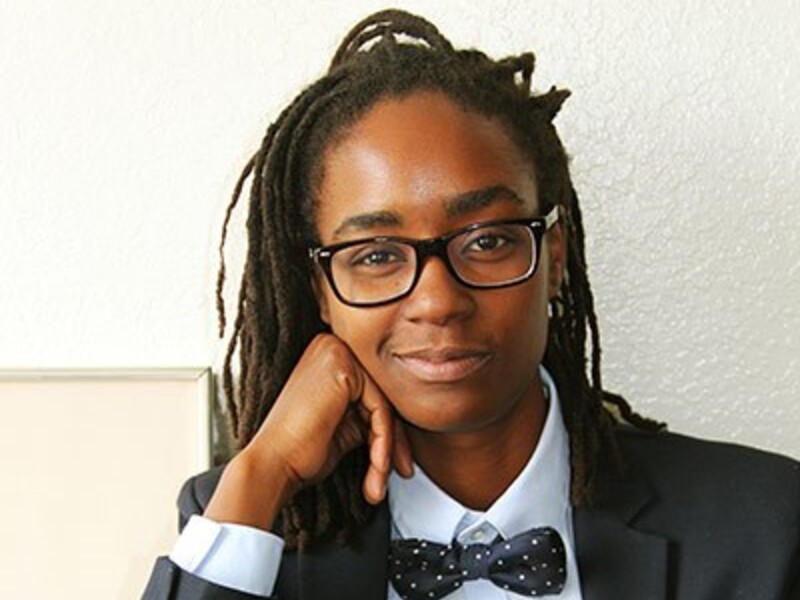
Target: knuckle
[
  {"x": 340, "y": 366},
  {"x": 341, "y": 377},
  {"x": 336, "y": 362},
  {"x": 320, "y": 342}
]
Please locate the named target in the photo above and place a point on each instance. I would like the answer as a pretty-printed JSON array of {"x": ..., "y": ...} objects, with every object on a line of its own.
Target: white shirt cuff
[{"x": 239, "y": 557}]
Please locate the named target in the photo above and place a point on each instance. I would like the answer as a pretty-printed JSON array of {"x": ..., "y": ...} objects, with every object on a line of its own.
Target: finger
[
  {"x": 401, "y": 452},
  {"x": 381, "y": 434},
  {"x": 381, "y": 426},
  {"x": 351, "y": 433},
  {"x": 375, "y": 482},
  {"x": 376, "y": 476}
]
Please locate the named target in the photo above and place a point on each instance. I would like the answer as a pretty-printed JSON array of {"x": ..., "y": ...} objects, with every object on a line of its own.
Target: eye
[
  {"x": 490, "y": 240},
  {"x": 486, "y": 242},
  {"x": 491, "y": 243},
  {"x": 376, "y": 256}
]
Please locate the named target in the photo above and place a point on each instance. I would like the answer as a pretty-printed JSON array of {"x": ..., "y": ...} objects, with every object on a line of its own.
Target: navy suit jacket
[{"x": 688, "y": 520}]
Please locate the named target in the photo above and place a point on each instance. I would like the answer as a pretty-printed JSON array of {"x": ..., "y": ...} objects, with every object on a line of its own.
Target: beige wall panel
[{"x": 91, "y": 466}]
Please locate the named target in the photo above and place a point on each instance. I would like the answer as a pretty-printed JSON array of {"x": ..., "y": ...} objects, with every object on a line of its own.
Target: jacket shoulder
[
  {"x": 715, "y": 485},
  {"x": 665, "y": 457},
  {"x": 719, "y": 505}
]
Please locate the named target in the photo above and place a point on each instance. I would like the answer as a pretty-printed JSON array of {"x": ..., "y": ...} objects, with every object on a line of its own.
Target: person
[{"x": 414, "y": 410}]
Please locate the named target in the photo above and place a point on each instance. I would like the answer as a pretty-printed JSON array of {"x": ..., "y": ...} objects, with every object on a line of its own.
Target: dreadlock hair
[{"x": 388, "y": 55}]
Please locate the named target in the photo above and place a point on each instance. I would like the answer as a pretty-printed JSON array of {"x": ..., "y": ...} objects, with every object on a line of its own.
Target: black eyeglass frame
[{"x": 437, "y": 246}]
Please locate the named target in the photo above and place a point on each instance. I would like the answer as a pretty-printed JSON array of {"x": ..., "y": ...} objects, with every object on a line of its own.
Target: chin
[{"x": 451, "y": 411}]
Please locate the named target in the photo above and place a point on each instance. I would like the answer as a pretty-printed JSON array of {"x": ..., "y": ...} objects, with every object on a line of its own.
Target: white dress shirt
[
  {"x": 247, "y": 559},
  {"x": 538, "y": 497}
]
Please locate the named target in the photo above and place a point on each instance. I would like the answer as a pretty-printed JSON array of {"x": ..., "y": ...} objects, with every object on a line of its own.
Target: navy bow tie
[{"x": 532, "y": 563}]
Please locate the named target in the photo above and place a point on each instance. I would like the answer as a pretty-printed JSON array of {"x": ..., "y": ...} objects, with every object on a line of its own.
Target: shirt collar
[{"x": 539, "y": 496}]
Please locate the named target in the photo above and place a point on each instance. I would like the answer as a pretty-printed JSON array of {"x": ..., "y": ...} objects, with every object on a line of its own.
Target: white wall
[{"x": 123, "y": 126}]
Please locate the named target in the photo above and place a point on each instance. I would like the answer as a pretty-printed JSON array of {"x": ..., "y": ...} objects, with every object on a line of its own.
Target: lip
[{"x": 443, "y": 365}]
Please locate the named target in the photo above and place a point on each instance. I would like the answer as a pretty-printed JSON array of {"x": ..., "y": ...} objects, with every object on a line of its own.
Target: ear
[
  {"x": 318, "y": 285},
  {"x": 556, "y": 240}
]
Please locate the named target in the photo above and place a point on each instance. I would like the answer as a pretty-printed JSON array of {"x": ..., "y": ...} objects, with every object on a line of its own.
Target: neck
[{"x": 476, "y": 467}]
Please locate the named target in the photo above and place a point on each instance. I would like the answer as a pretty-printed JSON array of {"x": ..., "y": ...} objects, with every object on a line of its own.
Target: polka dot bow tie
[{"x": 531, "y": 563}]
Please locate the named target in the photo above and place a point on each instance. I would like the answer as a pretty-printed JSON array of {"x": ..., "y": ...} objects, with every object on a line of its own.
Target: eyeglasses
[{"x": 379, "y": 270}]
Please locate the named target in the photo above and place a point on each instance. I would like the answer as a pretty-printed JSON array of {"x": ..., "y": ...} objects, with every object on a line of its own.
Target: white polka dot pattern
[{"x": 532, "y": 564}]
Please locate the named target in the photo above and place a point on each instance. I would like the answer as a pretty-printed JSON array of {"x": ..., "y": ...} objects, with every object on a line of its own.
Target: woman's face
[{"x": 449, "y": 358}]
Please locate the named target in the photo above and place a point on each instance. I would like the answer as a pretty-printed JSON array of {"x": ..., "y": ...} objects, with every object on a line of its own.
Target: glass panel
[
  {"x": 373, "y": 271},
  {"x": 494, "y": 254}
]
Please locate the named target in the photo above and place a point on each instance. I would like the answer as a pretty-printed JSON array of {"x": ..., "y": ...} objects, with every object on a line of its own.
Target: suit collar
[{"x": 616, "y": 560}]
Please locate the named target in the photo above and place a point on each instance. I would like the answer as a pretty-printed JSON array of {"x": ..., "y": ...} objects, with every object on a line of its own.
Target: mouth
[{"x": 443, "y": 365}]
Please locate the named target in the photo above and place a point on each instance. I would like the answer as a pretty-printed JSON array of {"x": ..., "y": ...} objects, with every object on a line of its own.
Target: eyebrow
[
  {"x": 380, "y": 218},
  {"x": 457, "y": 206},
  {"x": 475, "y": 200}
]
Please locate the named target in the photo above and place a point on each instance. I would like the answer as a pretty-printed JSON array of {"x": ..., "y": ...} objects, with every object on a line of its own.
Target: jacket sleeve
[{"x": 170, "y": 582}]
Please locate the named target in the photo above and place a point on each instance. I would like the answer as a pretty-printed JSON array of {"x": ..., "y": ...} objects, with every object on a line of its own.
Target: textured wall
[{"x": 123, "y": 127}]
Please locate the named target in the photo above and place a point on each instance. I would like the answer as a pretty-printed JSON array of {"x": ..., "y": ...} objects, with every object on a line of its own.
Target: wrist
[{"x": 253, "y": 489}]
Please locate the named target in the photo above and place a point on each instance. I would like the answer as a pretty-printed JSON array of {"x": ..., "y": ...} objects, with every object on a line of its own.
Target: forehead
[{"x": 409, "y": 159}]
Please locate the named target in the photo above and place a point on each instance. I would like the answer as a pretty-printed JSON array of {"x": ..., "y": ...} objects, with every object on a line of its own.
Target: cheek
[
  {"x": 341, "y": 323},
  {"x": 362, "y": 329},
  {"x": 521, "y": 314}
]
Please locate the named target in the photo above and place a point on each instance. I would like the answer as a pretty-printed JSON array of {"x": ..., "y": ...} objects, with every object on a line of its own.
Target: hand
[{"x": 328, "y": 407}]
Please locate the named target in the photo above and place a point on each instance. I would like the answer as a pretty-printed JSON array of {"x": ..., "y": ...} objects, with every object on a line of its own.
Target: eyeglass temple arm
[{"x": 551, "y": 218}]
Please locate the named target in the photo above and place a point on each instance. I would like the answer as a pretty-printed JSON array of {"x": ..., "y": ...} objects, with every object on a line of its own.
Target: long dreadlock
[{"x": 390, "y": 54}]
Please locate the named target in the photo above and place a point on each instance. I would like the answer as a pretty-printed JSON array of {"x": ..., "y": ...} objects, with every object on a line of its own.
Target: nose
[{"x": 437, "y": 297}]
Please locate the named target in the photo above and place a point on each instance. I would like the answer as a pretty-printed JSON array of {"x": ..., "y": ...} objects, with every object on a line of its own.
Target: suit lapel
[
  {"x": 356, "y": 570},
  {"x": 614, "y": 559}
]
